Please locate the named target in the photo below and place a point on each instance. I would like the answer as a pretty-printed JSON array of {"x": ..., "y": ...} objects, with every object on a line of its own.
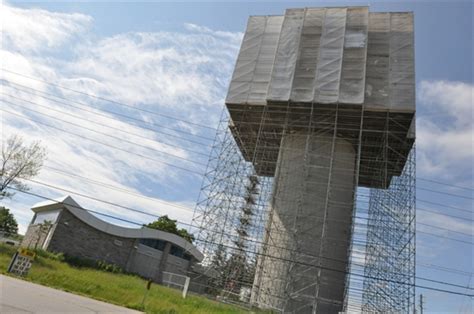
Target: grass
[{"x": 120, "y": 289}]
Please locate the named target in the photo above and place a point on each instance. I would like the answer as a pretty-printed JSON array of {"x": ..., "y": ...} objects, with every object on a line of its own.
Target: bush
[
  {"x": 78, "y": 261},
  {"x": 7, "y": 249},
  {"x": 88, "y": 263},
  {"x": 49, "y": 255}
]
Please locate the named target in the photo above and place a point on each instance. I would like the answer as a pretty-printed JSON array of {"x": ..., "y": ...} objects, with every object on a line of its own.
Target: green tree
[
  {"x": 18, "y": 162},
  {"x": 164, "y": 223},
  {"x": 241, "y": 268},
  {"x": 8, "y": 224},
  {"x": 220, "y": 268}
]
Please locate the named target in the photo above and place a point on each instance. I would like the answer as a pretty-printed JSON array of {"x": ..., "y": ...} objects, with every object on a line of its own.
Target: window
[
  {"x": 154, "y": 243},
  {"x": 179, "y": 252},
  {"x": 50, "y": 215}
]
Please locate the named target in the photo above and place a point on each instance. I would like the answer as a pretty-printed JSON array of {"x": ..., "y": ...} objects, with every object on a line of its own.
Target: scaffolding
[
  {"x": 345, "y": 232},
  {"x": 308, "y": 201}
]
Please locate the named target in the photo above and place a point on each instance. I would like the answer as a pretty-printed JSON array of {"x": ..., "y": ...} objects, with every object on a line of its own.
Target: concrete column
[
  {"x": 163, "y": 261},
  {"x": 311, "y": 216}
]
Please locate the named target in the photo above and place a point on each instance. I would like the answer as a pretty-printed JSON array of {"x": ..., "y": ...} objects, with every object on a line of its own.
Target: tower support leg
[{"x": 305, "y": 253}]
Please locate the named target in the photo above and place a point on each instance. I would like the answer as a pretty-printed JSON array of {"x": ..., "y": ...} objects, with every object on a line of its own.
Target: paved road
[{"x": 18, "y": 296}]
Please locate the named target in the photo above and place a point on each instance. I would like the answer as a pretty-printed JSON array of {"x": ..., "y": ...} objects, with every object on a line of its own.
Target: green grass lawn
[{"x": 120, "y": 289}]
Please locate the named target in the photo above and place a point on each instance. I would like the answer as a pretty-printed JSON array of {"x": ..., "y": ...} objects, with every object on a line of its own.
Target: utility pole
[{"x": 421, "y": 303}]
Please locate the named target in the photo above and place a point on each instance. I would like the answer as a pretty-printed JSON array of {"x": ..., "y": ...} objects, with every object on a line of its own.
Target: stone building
[{"x": 75, "y": 232}]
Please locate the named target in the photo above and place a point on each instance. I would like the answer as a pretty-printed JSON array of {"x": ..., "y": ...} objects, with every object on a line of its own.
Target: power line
[
  {"x": 446, "y": 193},
  {"x": 447, "y": 229},
  {"x": 108, "y": 100},
  {"x": 105, "y": 144},
  {"x": 130, "y": 192},
  {"x": 108, "y": 126},
  {"x": 443, "y": 214},
  {"x": 444, "y": 237},
  {"x": 94, "y": 111},
  {"x": 447, "y": 184},
  {"x": 188, "y": 209},
  {"x": 156, "y": 216},
  {"x": 444, "y": 205},
  {"x": 444, "y": 268},
  {"x": 108, "y": 135},
  {"x": 283, "y": 259},
  {"x": 128, "y": 117}
]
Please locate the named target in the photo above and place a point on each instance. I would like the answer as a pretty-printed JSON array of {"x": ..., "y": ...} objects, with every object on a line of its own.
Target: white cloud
[
  {"x": 448, "y": 97},
  {"x": 181, "y": 74},
  {"x": 444, "y": 129},
  {"x": 27, "y": 30}
]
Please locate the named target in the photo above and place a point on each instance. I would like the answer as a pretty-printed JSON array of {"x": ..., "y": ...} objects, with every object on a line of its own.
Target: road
[{"x": 19, "y": 296}]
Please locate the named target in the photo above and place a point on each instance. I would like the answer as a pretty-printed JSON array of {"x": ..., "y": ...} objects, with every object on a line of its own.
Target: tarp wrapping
[{"x": 327, "y": 56}]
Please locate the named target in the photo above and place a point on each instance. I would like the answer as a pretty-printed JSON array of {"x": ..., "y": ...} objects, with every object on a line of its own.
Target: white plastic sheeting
[
  {"x": 255, "y": 62},
  {"x": 327, "y": 56},
  {"x": 286, "y": 56}
]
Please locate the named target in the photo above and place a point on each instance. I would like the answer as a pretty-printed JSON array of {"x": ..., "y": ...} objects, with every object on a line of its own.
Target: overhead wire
[
  {"x": 443, "y": 205},
  {"x": 104, "y": 144},
  {"x": 446, "y": 184},
  {"x": 108, "y": 135},
  {"x": 97, "y": 111},
  {"x": 445, "y": 193},
  {"x": 302, "y": 263},
  {"x": 190, "y": 210},
  {"x": 107, "y": 100},
  {"x": 157, "y": 216},
  {"x": 109, "y": 126}
]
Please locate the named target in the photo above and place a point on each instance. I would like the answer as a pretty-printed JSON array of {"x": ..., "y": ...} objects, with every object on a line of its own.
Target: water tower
[{"x": 323, "y": 101}]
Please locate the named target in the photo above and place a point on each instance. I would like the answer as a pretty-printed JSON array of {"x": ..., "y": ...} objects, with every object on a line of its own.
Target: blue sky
[{"x": 177, "y": 58}]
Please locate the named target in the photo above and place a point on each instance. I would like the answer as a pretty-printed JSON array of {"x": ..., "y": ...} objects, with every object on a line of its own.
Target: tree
[
  {"x": 241, "y": 269},
  {"x": 18, "y": 162},
  {"x": 164, "y": 223},
  {"x": 220, "y": 267},
  {"x": 8, "y": 224}
]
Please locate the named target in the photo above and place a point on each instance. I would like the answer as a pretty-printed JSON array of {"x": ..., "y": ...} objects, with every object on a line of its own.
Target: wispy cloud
[
  {"x": 34, "y": 30},
  {"x": 182, "y": 74}
]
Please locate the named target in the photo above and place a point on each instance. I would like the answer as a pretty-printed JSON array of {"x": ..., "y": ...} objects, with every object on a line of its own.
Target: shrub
[
  {"x": 78, "y": 261},
  {"x": 49, "y": 255},
  {"x": 88, "y": 263}
]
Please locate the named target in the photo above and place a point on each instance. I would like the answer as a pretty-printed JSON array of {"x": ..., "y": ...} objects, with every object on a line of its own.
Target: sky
[{"x": 176, "y": 58}]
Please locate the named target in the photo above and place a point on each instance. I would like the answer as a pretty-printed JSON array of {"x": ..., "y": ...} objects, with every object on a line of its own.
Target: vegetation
[
  {"x": 120, "y": 289},
  {"x": 235, "y": 269},
  {"x": 164, "y": 223},
  {"x": 79, "y": 262},
  {"x": 18, "y": 162},
  {"x": 243, "y": 269},
  {"x": 8, "y": 224}
]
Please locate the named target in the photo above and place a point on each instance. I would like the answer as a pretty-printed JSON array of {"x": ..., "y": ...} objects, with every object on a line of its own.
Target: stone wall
[
  {"x": 72, "y": 236},
  {"x": 76, "y": 238}
]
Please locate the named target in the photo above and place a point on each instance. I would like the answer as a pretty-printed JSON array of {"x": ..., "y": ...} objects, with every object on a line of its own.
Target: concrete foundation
[{"x": 310, "y": 217}]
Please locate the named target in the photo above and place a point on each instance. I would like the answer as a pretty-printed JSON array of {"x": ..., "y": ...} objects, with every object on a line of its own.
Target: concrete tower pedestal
[
  {"x": 311, "y": 217},
  {"x": 323, "y": 100}
]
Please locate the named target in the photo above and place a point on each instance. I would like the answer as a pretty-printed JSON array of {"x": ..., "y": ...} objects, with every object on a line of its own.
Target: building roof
[{"x": 67, "y": 202}]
